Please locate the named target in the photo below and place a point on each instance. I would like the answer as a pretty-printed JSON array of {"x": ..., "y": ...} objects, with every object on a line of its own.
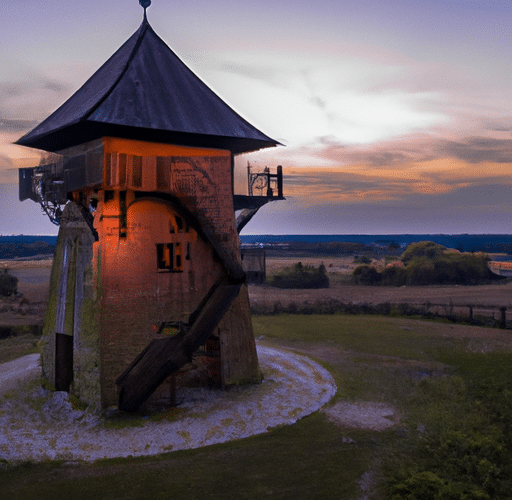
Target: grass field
[
  {"x": 449, "y": 385},
  {"x": 15, "y": 347}
]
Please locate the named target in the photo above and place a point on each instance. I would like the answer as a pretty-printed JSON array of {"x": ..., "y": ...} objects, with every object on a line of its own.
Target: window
[
  {"x": 163, "y": 173},
  {"x": 137, "y": 171},
  {"x": 122, "y": 169},
  {"x": 169, "y": 257}
]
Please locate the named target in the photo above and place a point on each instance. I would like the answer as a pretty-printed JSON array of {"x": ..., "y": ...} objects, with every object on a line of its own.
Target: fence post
[
  {"x": 503, "y": 311},
  {"x": 470, "y": 314}
]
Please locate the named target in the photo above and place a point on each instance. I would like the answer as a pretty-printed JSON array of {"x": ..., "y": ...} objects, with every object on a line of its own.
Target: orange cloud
[{"x": 361, "y": 183}]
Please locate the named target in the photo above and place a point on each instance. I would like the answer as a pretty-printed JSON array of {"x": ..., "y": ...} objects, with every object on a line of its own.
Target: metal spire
[{"x": 145, "y": 4}]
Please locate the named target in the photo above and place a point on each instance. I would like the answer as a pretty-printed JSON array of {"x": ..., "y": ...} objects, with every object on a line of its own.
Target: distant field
[
  {"x": 339, "y": 270},
  {"x": 33, "y": 275},
  {"x": 34, "y": 281},
  {"x": 334, "y": 265}
]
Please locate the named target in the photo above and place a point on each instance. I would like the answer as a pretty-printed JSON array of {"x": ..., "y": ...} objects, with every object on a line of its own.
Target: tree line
[{"x": 427, "y": 263}]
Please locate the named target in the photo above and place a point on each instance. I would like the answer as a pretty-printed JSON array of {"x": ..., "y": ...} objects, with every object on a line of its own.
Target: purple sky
[{"x": 396, "y": 115}]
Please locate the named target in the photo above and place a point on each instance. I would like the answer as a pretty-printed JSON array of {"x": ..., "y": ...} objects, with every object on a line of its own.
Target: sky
[{"x": 395, "y": 115}]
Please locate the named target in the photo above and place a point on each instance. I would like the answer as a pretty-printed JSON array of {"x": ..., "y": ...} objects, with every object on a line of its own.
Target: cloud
[
  {"x": 469, "y": 208},
  {"x": 498, "y": 125},
  {"x": 479, "y": 149},
  {"x": 348, "y": 94},
  {"x": 398, "y": 177},
  {"x": 5, "y": 162},
  {"x": 30, "y": 97},
  {"x": 8, "y": 172},
  {"x": 414, "y": 148},
  {"x": 328, "y": 109},
  {"x": 9, "y": 176},
  {"x": 16, "y": 126}
]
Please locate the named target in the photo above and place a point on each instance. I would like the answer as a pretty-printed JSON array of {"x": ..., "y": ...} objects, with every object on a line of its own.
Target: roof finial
[{"x": 145, "y": 4}]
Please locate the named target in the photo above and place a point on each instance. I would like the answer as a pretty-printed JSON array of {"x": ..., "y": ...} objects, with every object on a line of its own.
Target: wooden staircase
[{"x": 165, "y": 356}]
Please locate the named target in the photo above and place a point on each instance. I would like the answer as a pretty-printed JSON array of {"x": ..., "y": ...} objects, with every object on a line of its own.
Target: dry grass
[
  {"x": 339, "y": 270},
  {"x": 34, "y": 283}
]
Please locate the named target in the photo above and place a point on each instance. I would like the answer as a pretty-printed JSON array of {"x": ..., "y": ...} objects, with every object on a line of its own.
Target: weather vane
[{"x": 145, "y": 4}]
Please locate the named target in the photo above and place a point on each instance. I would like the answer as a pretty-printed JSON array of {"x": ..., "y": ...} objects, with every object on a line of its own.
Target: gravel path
[
  {"x": 38, "y": 425},
  {"x": 14, "y": 372}
]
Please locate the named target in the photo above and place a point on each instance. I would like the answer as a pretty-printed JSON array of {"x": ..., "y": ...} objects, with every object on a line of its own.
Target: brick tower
[{"x": 147, "y": 285}]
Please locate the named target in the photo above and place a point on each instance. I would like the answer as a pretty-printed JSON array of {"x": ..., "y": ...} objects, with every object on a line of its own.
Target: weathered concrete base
[{"x": 72, "y": 309}]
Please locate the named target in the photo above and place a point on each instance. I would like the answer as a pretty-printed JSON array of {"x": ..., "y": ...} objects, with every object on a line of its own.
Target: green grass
[
  {"x": 309, "y": 460},
  {"x": 450, "y": 384},
  {"x": 377, "y": 335},
  {"x": 16, "y": 347}
]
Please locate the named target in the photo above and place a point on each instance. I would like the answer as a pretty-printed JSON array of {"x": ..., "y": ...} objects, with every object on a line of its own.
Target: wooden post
[
  {"x": 173, "y": 391},
  {"x": 503, "y": 311},
  {"x": 279, "y": 181}
]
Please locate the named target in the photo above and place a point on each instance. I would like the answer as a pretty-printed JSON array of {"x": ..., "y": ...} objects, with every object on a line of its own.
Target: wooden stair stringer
[{"x": 163, "y": 357}]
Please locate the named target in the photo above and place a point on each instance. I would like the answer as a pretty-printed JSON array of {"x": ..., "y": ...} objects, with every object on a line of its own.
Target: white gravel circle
[{"x": 38, "y": 425}]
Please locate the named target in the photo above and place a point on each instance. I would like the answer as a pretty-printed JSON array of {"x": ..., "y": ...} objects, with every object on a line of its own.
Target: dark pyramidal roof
[{"x": 145, "y": 92}]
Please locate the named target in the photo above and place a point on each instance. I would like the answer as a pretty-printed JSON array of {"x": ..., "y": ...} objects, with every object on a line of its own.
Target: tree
[
  {"x": 366, "y": 275},
  {"x": 8, "y": 284},
  {"x": 427, "y": 249}
]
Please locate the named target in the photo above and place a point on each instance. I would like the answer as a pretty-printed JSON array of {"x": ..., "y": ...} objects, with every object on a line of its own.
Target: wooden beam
[{"x": 163, "y": 357}]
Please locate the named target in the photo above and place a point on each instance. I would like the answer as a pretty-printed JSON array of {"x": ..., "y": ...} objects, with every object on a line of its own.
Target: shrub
[
  {"x": 366, "y": 275},
  {"x": 426, "y": 485},
  {"x": 8, "y": 284},
  {"x": 363, "y": 259},
  {"x": 427, "y": 249},
  {"x": 394, "y": 276},
  {"x": 299, "y": 276},
  {"x": 462, "y": 452},
  {"x": 427, "y": 263},
  {"x": 420, "y": 271}
]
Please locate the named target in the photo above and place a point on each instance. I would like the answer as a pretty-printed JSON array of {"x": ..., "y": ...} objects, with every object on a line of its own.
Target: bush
[
  {"x": 300, "y": 276},
  {"x": 427, "y": 263},
  {"x": 394, "y": 276},
  {"x": 426, "y": 485},
  {"x": 366, "y": 275},
  {"x": 363, "y": 259},
  {"x": 8, "y": 284},
  {"x": 462, "y": 452},
  {"x": 420, "y": 271},
  {"x": 427, "y": 249}
]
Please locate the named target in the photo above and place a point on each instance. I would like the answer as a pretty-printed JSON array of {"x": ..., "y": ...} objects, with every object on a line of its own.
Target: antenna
[{"x": 145, "y": 4}]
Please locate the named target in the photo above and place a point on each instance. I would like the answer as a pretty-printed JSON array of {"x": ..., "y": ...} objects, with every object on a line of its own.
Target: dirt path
[{"x": 13, "y": 372}]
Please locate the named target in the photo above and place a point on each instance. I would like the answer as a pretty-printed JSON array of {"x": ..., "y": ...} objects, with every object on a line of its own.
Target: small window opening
[
  {"x": 122, "y": 169},
  {"x": 122, "y": 215},
  {"x": 169, "y": 257},
  {"x": 137, "y": 171},
  {"x": 179, "y": 264},
  {"x": 108, "y": 195}
]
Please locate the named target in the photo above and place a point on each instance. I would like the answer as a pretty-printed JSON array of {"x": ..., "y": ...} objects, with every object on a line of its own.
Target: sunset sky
[{"x": 396, "y": 115}]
